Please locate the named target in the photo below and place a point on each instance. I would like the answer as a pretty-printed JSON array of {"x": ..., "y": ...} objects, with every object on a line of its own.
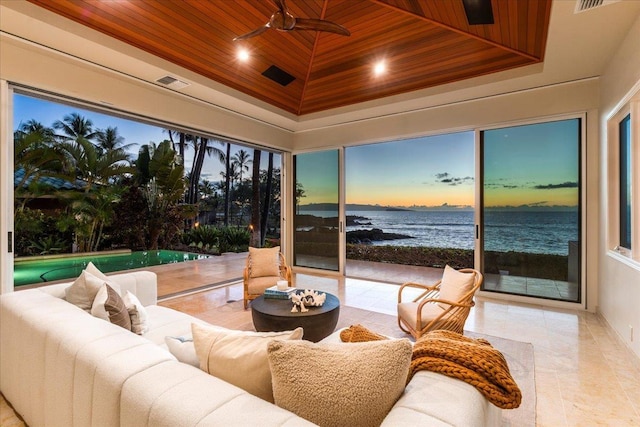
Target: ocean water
[{"x": 545, "y": 232}]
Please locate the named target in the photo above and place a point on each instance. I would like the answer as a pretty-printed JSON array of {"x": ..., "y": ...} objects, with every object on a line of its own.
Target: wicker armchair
[
  {"x": 264, "y": 267},
  {"x": 433, "y": 308}
]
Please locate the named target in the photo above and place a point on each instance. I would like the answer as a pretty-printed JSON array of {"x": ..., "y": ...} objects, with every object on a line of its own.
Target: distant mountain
[{"x": 349, "y": 207}]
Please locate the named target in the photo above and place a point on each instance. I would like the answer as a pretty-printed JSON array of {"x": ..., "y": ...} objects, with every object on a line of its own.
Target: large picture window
[
  {"x": 625, "y": 182},
  {"x": 89, "y": 182}
]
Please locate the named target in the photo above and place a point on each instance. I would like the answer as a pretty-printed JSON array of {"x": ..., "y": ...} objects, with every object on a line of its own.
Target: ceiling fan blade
[
  {"x": 282, "y": 6},
  {"x": 320, "y": 25},
  {"x": 479, "y": 12},
  {"x": 253, "y": 33}
]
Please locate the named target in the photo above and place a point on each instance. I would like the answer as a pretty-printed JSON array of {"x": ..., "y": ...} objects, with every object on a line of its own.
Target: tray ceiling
[{"x": 424, "y": 43}]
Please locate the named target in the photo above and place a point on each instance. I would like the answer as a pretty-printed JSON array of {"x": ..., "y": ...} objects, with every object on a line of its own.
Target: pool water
[{"x": 27, "y": 272}]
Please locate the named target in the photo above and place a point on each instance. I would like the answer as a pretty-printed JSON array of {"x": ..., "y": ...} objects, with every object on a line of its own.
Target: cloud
[
  {"x": 446, "y": 178},
  {"x": 555, "y": 186}
]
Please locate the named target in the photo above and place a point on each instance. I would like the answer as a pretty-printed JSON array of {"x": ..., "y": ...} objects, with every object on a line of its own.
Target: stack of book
[{"x": 274, "y": 293}]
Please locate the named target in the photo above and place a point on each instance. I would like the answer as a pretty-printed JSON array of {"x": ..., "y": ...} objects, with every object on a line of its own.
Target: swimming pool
[{"x": 40, "y": 270}]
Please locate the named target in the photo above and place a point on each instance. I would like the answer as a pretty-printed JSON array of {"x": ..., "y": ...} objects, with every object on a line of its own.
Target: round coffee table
[{"x": 273, "y": 315}]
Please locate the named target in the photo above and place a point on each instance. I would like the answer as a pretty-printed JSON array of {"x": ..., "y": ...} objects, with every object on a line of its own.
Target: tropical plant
[
  {"x": 233, "y": 239},
  {"x": 203, "y": 237},
  {"x": 48, "y": 245},
  {"x": 163, "y": 192},
  {"x": 35, "y": 156}
]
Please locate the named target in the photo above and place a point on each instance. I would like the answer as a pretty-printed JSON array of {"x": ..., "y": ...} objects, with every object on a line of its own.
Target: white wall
[{"x": 619, "y": 290}]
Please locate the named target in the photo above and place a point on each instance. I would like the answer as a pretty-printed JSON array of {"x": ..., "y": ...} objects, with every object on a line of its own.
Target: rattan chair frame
[
  {"x": 285, "y": 274},
  {"x": 452, "y": 319}
]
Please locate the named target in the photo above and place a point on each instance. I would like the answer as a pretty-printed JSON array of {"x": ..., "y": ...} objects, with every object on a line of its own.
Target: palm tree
[
  {"x": 34, "y": 152},
  {"x": 83, "y": 160},
  {"x": 75, "y": 127},
  {"x": 256, "y": 233},
  {"x": 241, "y": 160},
  {"x": 227, "y": 184},
  {"x": 202, "y": 147},
  {"x": 267, "y": 201},
  {"x": 92, "y": 209},
  {"x": 108, "y": 139}
]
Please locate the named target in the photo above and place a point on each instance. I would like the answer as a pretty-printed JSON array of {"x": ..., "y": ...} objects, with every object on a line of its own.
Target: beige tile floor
[{"x": 585, "y": 375}]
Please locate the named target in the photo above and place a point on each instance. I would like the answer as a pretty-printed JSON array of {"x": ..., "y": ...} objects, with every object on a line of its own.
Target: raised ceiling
[{"x": 424, "y": 43}]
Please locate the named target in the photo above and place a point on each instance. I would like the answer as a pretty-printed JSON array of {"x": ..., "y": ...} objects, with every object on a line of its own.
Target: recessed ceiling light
[
  {"x": 380, "y": 68},
  {"x": 243, "y": 55}
]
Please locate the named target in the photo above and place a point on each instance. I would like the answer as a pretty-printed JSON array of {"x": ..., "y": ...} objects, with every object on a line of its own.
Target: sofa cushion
[
  {"x": 109, "y": 306},
  {"x": 345, "y": 384},
  {"x": 238, "y": 357},
  {"x": 83, "y": 290},
  {"x": 264, "y": 262},
  {"x": 454, "y": 285},
  {"x": 137, "y": 313}
]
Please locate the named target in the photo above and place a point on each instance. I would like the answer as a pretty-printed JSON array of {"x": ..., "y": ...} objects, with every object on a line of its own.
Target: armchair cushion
[
  {"x": 408, "y": 311},
  {"x": 259, "y": 284},
  {"x": 264, "y": 262},
  {"x": 454, "y": 285}
]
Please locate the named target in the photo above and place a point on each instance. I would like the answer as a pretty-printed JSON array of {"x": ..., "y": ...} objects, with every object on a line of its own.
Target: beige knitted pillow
[
  {"x": 340, "y": 384},
  {"x": 264, "y": 262}
]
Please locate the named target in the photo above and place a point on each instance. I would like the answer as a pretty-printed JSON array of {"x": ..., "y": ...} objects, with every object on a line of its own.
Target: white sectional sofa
[{"x": 60, "y": 366}]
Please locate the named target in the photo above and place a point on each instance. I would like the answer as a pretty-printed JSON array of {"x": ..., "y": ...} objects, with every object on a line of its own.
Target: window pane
[
  {"x": 531, "y": 210},
  {"x": 316, "y": 239},
  {"x": 411, "y": 201},
  {"x": 625, "y": 182}
]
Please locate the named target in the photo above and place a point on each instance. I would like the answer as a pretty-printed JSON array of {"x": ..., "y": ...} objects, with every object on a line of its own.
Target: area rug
[{"x": 519, "y": 355}]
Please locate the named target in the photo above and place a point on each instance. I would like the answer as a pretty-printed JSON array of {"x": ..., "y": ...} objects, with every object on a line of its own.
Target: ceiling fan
[{"x": 282, "y": 20}]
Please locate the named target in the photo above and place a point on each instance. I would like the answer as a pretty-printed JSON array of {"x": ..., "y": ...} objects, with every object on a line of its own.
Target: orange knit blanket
[{"x": 473, "y": 361}]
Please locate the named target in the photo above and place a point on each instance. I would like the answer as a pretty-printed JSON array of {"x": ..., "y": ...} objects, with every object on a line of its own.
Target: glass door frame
[
  {"x": 479, "y": 220},
  {"x": 290, "y": 205}
]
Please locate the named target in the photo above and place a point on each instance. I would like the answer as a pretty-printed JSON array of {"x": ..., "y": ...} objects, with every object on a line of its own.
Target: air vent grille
[
  {"x": 172, "y": 82},
  {"x": 278, "y": 75},
  {"x": 584, "y": 5}
]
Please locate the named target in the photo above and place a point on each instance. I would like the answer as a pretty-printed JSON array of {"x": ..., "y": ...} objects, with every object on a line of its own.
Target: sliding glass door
[
  {"x": 316, "y": 241},
  {"x": 531, "y": 208}
]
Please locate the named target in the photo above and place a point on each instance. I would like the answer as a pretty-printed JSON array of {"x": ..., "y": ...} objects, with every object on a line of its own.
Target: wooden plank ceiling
[{"x": 423, "y": 42}]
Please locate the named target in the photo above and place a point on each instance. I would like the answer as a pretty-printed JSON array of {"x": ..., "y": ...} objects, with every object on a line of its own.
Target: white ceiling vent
[
  {"x": 584, "y": 5},
  {"x": 172, "y": 82}
]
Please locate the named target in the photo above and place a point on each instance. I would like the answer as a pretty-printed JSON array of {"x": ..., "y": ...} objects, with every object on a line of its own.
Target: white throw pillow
[
  {"x": 239, "y": 357},
  {"x": 339, "y": 384},
  {"x": 91, "y": 268},
  {"x": 109, "y": 306},
  {"x": 83, "y": 290},
  {"x": 137, "y": 313},
  {"x": 183, "y": 349},
  {"x": 454, "y": 285},
  {"x": 264, "y": 262}
]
